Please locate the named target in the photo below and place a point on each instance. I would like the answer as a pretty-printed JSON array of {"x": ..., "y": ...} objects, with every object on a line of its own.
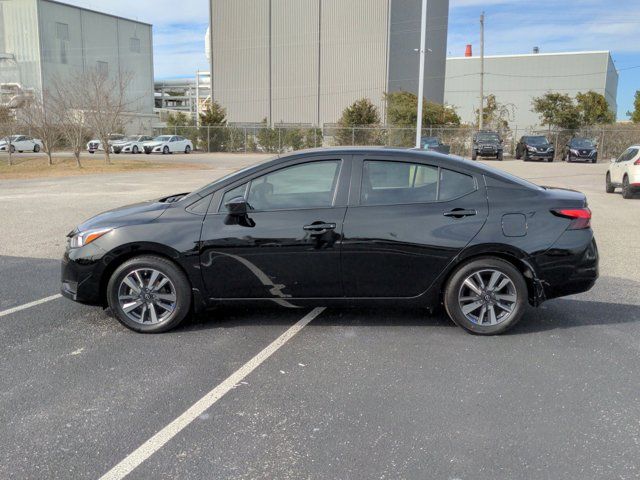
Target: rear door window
[{"x": 396, "y": 183}]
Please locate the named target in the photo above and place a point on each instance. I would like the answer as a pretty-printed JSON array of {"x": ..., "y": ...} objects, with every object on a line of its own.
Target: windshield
[
  {"x": 488, "y": 137},
  {"x": 162, "y": 138},
  {"x": 429, "y": 141},
  {"x": 581, "y": 143},
  {"x": 537, "y": 140},
  {"x": 116, "y": 136}
]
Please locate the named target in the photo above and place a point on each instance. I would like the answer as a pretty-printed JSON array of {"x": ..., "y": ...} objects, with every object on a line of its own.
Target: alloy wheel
[
  {"x": 487, "y": 297},
  {"x": 147, "y": 296}
]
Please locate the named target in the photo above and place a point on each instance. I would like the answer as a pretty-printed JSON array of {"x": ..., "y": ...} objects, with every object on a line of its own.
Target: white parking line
[
  {"x": 155, "y": 443},
  {"x": 29, "y": 305}
]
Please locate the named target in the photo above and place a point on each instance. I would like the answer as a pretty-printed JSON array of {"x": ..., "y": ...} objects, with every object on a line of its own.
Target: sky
[{"x": 512, "y": 26}]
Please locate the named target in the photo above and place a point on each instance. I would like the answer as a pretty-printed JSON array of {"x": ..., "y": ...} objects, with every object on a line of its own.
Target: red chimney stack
[{"x": 469, "y": 51}]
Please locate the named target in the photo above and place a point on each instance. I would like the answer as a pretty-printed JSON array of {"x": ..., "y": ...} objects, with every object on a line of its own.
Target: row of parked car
[{"x": 143, "y": 143}]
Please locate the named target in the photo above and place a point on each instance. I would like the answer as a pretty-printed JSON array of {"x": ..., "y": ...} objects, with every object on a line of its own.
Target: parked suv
[
  {"x": 624, "y": 172},
  {"x": 535, "y": 147},
  {"x": 580, "y": 149},
  {"x": 487, "y": 144}
]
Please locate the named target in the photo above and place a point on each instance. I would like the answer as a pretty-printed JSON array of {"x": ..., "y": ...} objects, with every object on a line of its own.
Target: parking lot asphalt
[{"x": 357, "y": 393}]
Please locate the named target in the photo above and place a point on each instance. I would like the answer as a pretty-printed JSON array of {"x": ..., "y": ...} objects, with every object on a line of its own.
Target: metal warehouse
[
  {"x": 304, "y": 61},
  {"x": 516, "y": 79},
  {"x": 44, "y": 39}
]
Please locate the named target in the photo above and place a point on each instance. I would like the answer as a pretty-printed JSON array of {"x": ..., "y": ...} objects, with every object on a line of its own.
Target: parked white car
[
  {"x": 20, "y": 143},
  {"x": 624, "y": 172},
  {"x": 94, "y": 145},
  {"x": 132, "y": 144},
  {"x": 168, "y": 144}
]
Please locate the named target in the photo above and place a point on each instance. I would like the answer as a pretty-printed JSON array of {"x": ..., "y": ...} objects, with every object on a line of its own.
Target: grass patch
[{"x": 37, "y": 167}]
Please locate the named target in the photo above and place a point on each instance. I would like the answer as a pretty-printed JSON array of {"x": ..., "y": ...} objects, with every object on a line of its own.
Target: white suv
[{"x": 625, "y": 172}]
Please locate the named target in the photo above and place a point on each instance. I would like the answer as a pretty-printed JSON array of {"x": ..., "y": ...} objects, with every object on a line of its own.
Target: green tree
[
  {"x": 179, "y": 123},
  {"x": 557, "y": 110},
  {"x": 635, "y": 115},
  {"x": 214, "y": 133},
  {"x": 402, "y": 111},
  {"x": 496, "y": 115},
  {"x": 594, "y": 109},
  {"x": 358, "y": 124}
]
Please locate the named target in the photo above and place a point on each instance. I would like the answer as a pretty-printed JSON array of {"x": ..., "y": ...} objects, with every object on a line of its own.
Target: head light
[{"x": 81, "y": 239}]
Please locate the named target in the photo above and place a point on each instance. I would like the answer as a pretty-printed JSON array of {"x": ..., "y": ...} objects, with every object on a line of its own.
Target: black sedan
[
  {"x": 581, "y": 149},
  {"x": 535, "y": 147},
  {"x": 339, "y": 226}
]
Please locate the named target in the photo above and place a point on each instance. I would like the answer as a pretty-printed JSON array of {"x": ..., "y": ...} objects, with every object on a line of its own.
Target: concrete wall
[
  {"x": 517, "y": 79},
  {"x": 304, "y": 61}
]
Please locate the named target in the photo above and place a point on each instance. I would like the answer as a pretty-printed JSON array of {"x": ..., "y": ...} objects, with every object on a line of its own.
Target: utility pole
[
  {"x": 481, "y": 119},
  {"x": 423, "y": 53}
]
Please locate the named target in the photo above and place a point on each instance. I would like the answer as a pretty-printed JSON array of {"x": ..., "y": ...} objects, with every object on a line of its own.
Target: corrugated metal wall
[
  {"x": 517, "y": 79},
  {"x": 240, "y": 58},
  {"x": 304, "y": 61},
  {"x": 19, "y": 37}
]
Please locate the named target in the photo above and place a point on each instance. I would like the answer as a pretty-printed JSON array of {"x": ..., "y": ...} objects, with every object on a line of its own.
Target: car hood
[{"x": 128, "y": 215}]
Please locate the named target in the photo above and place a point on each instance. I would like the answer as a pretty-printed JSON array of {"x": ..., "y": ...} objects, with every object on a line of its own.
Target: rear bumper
[{"x": 571, "y": 266}]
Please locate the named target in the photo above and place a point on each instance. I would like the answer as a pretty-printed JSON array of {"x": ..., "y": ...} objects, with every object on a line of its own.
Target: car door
[
  {"x": 406, "y": 221},
  {"x": 619, "y": 167},
  {"x": 19, "y": 143},
  {"x": 288, "y": 245}
]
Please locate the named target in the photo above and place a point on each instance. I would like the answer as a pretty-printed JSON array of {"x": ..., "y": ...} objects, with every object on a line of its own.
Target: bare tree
[
  {"x": 42, "y": 117},
  {"x": 8, "y": 127},
  {"x": 68, "y": 101},
  {"x": 105, "y": 103}
]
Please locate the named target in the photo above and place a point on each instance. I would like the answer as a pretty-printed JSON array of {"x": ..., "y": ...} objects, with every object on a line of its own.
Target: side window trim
[
  {"x": 344, "y": 170},
  {"x": 355, "y": 198}
]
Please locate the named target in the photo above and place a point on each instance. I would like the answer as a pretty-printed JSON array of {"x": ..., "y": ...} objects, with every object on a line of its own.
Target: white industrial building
[
  {"x": 44, "y": 39},
  {"x": 304, "y": 61},
  {"x": 516, "y": 79}
]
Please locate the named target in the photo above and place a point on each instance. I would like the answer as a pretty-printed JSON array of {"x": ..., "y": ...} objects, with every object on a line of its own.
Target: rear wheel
[
  {"x": 486, "y": 296},
  {"x": 149, "y": 294},
  {"x": 187, "y": 149},
  {"x": 626, "y": 188},
  {"x": 608, "y": 185}
]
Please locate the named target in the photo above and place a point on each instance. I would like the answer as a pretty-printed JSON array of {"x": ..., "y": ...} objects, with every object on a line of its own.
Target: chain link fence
[{"x": 611, "y": 140}]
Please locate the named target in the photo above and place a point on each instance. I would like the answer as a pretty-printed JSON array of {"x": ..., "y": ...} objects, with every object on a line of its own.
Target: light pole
[{"x": 423, "y": 53}]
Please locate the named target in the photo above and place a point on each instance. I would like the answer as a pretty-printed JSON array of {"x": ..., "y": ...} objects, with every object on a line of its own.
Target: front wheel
[
  {"x": 486, "y": 296},
  {"x": 12, "y": 149},
  {"x": 135, "y": 150},
  {"x": 608, "y": 185},
  {"x": 474, "y": 155},
  {"x": 149, "y": 294},
  {"x": 36, "y": 148},
  {"x": 165, "y": 150},
  {"x": 500, "y": 156},
  {"x": 187, "y": 149}
]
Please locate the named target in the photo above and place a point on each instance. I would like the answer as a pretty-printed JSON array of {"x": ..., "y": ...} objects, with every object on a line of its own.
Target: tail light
[
  {"x": 637, "y": 162},
  {"x": 581, "y": 217}
]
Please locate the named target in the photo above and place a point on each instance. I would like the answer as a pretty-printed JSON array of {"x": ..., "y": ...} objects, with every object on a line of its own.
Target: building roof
[
  {"x": 98, "y": 12},
  {"x": 477, "y": 57}
]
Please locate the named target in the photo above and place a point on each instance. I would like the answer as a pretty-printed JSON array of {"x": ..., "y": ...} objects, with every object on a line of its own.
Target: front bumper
[
  {"x": 540, "y": 155},
  {"x": 81, "y": 271}
]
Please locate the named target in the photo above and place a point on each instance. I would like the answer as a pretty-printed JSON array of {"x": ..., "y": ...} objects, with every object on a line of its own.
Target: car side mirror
[{"x": 237, "y": 206}]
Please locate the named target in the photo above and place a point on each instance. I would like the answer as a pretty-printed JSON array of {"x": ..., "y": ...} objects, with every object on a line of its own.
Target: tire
[
  {"x": 525, "y": 156},
  {"x": 12, "y": 149},
  {"x": 91, "y": 152},
  {"x": 568, "y": 158},
  {"x": 456, "y": 292},
  {"x": 550, "y": 160},
  {"x": 518, "y": 156},
  {"x": 500, "y": 156},
  {"x": 135, "y": 150},
  {"x": 177, "y": 287},
  {"x": 594, "y": 160},
  {"x": 36, "y": 148},
  {"x": 165, "y": 150},
  {"x": 608, "y": 185},
  {"x": 187, "y": 150},
  {"x": 626, "y": 189},
  {"x": 474, "y": 155}
]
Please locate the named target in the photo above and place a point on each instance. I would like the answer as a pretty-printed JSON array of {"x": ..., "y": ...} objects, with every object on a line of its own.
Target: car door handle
[
  {"x": 319, "y": 227},
  {"x": 460, "y": 213}
]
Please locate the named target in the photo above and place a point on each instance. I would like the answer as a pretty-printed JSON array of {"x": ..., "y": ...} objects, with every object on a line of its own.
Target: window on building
[
  {"x": 134, "y": 44},
  {"x": 103, "y": 68}
]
